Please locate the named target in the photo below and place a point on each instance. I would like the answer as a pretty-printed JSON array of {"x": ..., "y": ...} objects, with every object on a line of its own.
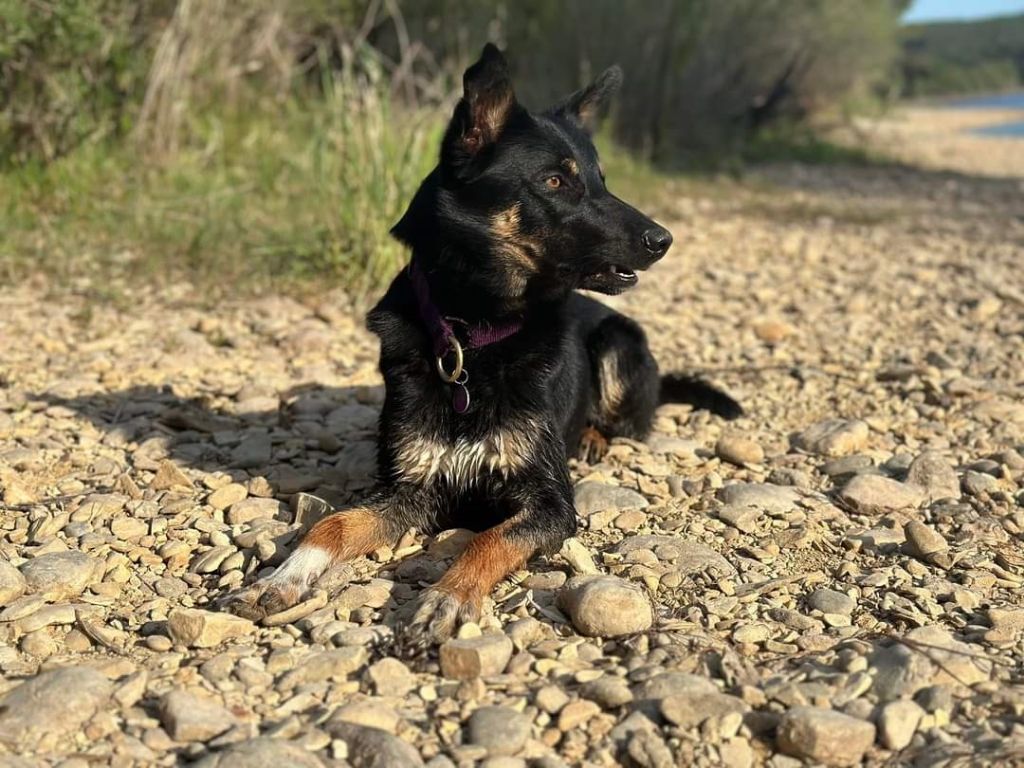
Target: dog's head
[{"x": 520, "y": 197}]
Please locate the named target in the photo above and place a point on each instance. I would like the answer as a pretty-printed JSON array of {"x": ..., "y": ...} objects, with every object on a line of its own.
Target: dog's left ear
[
  {"x": 487, "y": 103},
  {"x": 585, "y": 106}
]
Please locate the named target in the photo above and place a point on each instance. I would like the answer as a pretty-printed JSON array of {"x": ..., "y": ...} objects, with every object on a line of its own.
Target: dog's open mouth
[
  {"x": 612, "y": 279},
  {"x": 623, "y": 274}
]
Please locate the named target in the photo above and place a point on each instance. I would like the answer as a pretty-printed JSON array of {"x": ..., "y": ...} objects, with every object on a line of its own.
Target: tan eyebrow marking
[{"x": 570, "y": 165}]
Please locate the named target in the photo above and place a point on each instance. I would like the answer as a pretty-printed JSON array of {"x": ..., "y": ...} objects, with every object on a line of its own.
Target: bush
[{"x": 70, "y": 71}]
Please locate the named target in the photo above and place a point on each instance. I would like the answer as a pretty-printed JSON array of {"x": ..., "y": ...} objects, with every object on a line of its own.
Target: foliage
[{"x": 963, "y": 57}]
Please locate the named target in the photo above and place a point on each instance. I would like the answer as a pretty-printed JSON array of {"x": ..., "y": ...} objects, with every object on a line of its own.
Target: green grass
[{"x": 298, "y": 193}]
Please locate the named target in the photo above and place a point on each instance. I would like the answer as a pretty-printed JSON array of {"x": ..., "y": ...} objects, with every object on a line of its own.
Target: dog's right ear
[{"x": 480, "y": 116}]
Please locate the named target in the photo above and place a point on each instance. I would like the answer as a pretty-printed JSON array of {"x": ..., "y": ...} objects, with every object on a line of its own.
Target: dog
[{"x": 496, "y": 370}]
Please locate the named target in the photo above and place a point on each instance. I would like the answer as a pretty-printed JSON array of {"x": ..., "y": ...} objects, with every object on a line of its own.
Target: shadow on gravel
[{"x": 309, "y": 438}]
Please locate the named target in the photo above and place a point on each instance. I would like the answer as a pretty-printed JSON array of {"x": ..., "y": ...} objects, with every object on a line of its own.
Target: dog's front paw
[
  {"x": 439, "y": 614},
  {"x": 264, "y": 598}
]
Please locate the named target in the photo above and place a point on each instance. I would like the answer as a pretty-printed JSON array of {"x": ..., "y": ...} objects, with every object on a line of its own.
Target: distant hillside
[{"x": 963, "y": 57}]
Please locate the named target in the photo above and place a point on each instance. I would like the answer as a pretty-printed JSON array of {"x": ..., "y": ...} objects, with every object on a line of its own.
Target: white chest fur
[{"x": 423, "y": 459}]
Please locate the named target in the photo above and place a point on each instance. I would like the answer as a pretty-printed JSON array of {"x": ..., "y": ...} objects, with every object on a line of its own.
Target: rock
[
  {"x": 979, "y": 484},
  {"x": 833, "y": 437},
  {"x": 551, "y": 699},
  {"x": 226, "y": 495},
  {"x": 594, "y": 497},
  {"x": 12, "y": 583},
  {"x": 575, "y": 714},
  {"x": 741, "y": 518},
  {"x": 897, "y": 723},
  {"x": 247, "y": 510},
  {"x": 738, "y": 450},
  {"x": 467, "y": 658},
  {"x": 648, "y": 750},
  {"x": 501, "y": 730},
  {"x": 824, "y": 736},
  {"x": 335, "y": 664},
  {"x": 877, "y": 495},
  {"x": 771, "y": 498},
  {"x": 605, "y": 606},
  {"x": 751, "y": 633},
  {"x": 1007, "y": 625},
  {"x": 261, "y": 753},
  {"x": 254, "y": 451},
  {"x": 187, "y": 717},
  {"x": 196, "y": 628},
  {"x": 59, "y": 575},
  {"x": 772, "y": 331},
  {"x": 933, "y": 473},
  {"x": 41, "y": 713},
  {"x": 648, "y": 694},
  {"x": 831, "y": 601},
  {"x": 688, "y": 710},
  {"x": 374, "y": 748},
  {"x": 576, "y": 554},
  {"x": 930, "y": 657},
  {"x": 688, "y": 557},
  {"x": 925, "y": 543},
  {"x": 168, "y": 476},
  {"x": 608, "y": 692},
  {"x": 369, "y": 714},
  {"x": 390, "y": 677}
]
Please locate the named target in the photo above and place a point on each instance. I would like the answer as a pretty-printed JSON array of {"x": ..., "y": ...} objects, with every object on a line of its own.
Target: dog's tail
[{"x": 677, "y": 388}]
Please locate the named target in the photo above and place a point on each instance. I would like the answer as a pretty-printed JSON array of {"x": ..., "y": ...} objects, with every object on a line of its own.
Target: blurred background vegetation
[{"x": 248, "y": 141}]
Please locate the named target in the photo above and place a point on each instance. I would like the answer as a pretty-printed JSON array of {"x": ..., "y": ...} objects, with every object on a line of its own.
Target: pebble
[
  {"x": 374, "y": 748},
  {"x": 501, "y": 730},
  {"x": 897, "y": 723},
  {"x": 188, "y": 717},
  {"x": 605, "y": 606},
  {"x": 688, "y": 710},
  {"x": 261, "y": 753},
  {"x": 59, "y": 575},
  {"x": 592, "y": 497},
  {"x": 251, "y": 509},
  {"x": 196, "y": 628},
  {"x": 831, "y": 601},
  {"x": 42, "y": 712},
  {"x": 900, "y": 671},
  {"x": 824, "y": 736},
  {"x": 368, "y": 713},
  {"x": 468, "y": 658},
  {"x": 833, "y": 437},
  {"x": 168, "y": 476},
  {"x": 739, "y": 450},
  {"x": 877, "y": 495},
  {"x": 926, "y": 544},
  {"x": 12, "y": 583},
  {"x": 335, "y": 664},
  {"x": 390, "y": 677},
  {"x": 575, "y": 714},
  {"x": 227, "y": 495},
  {"x": 936, "y": 475}
]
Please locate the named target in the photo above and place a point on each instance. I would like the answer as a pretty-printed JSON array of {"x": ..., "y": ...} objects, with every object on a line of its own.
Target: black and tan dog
[{"x": 495, "y": 369}]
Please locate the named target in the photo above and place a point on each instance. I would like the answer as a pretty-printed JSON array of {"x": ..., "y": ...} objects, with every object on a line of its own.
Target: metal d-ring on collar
[
  {"x": 456, "y": 372},
  {"x": 445, "y": 342}
]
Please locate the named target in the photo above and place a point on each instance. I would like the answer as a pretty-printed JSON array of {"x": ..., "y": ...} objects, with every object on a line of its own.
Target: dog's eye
[{"x": 554, "y": 182}]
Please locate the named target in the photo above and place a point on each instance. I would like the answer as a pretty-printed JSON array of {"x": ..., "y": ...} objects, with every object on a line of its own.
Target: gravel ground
[{"x": 834, "y": 579}]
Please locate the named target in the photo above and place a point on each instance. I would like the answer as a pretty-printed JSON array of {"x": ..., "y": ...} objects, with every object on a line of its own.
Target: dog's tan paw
[
  {"x": 439, "y": 615},
  {"x": 264, "y": 598}
]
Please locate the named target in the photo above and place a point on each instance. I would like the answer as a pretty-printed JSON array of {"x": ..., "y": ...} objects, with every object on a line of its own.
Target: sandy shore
[{"x": 939, "y": 138}]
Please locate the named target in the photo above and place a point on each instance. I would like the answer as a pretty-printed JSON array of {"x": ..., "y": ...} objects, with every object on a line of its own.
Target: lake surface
[{"x": 1003, "y": 101}]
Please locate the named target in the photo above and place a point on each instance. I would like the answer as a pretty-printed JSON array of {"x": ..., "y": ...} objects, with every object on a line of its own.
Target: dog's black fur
[{"x": 515, "y": 218}]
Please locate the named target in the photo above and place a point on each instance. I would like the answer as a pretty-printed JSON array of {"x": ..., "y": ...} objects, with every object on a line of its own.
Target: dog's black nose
[{"x": 657, "y": 240}]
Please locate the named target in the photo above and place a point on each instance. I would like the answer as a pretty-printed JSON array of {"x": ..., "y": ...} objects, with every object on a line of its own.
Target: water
[{"x": 1004, "y": 101}]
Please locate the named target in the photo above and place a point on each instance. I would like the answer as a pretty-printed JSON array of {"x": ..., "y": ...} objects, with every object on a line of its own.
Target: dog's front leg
[
  {"x": 545, "y": 517},
  {"x": 342, "y": 536}
]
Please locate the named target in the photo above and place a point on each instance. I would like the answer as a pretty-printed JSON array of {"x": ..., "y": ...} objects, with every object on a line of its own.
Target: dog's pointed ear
[
  {"x": 585, "y": 106},
  {"x": 487, "y": 103}
]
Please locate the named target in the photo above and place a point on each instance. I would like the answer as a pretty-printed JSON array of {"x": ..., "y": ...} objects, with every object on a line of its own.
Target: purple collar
[
  {"x": 447, "y": 344},
  {"x": 440, "y": 327}
]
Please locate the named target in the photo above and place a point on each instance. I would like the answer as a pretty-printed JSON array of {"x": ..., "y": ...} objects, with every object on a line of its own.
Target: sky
[{"x": 938, "y": 10}]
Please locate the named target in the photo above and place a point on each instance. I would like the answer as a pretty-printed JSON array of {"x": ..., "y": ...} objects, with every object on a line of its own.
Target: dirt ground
[{"x": 835, "y": 578}]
